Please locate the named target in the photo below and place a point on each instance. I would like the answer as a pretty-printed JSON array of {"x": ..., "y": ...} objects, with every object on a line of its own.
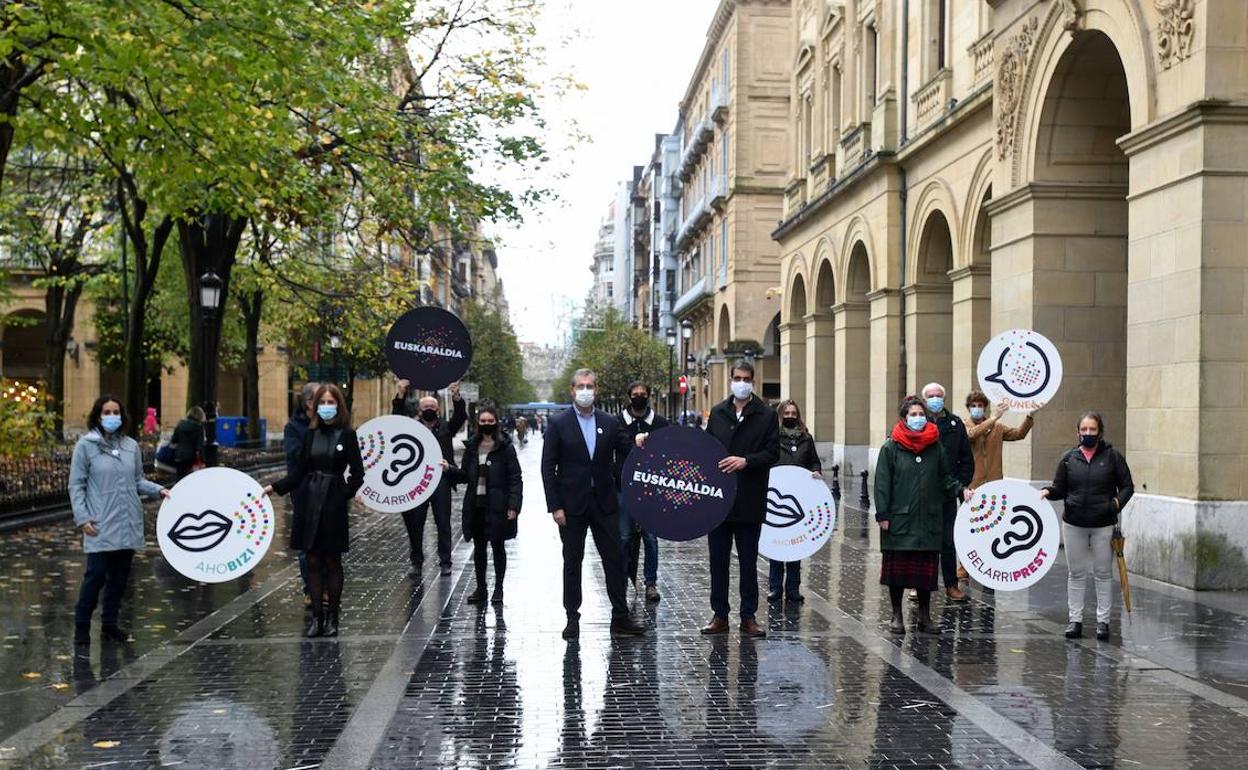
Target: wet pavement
[{"x": 219, "y": 677}]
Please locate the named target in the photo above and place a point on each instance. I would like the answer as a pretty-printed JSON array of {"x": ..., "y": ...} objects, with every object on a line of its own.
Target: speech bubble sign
[
  {"x": 430, "y": 347},
  {"x": 674, "y": 487},
  {"x": 216, "y": 525},
  {"x": 402, "y": 463},
  {"x": 1007, "y": 535},
  {"x": 801, "y": 514},
  {"x": 1021, "y": 368}
]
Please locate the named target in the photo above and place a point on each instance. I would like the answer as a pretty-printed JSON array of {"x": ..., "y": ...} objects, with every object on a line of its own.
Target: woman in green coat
[{"x": 911, "y": 480}]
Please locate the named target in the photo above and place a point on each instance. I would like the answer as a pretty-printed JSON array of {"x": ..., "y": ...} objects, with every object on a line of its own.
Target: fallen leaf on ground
[
  {"x": 106, "y": 744},
  {"x": 31, "y": 675}
]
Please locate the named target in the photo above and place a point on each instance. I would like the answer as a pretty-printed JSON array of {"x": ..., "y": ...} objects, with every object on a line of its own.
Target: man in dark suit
[{"x": 583, "y": 449}]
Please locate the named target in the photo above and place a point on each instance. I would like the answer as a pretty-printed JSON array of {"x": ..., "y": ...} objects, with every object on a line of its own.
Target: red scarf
[{"x": 915, "y": 442}]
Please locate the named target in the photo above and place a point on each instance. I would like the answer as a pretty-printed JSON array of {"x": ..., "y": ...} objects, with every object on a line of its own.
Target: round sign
[
  {"x": 216, "y": 525},
  {"x": 1021, "y": 368},
  {"x": 801, "y": 514},
  {"x": 674, "y": 488},
  {"x": 430, "y": 347},
  {"x": 1007, "y": 535},
  {"x": 402, "y": 463}
]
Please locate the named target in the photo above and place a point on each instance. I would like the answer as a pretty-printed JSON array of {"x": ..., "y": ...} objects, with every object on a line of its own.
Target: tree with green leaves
[
  {"x": 497, "y": 363},
  {"x": 620, "y": 354}
]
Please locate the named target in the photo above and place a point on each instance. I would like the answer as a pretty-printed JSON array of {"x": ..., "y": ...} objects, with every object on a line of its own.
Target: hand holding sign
[{"x": 1020, "y": 369}]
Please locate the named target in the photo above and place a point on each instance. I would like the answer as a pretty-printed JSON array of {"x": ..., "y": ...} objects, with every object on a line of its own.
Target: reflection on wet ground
[{"x": 218, "y": 676}]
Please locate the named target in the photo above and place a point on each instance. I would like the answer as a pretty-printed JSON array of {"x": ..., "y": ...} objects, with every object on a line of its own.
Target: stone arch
[
  {"x": 823, "y": 293},
  {"x": 723, "y": 331},
  {"x": 936, "y": 198},
  {"x": 853, "y": 357},
  {"x": 929, "y": 304},
  {"x": 796, "y": 296},
  {"x": 793, "y": 355},
  {"x": 24, "y": 334},
  {"x": 974, "y": 218},
  {"x": 858, "y": 237},
  {"x": 821, "y": 352}
]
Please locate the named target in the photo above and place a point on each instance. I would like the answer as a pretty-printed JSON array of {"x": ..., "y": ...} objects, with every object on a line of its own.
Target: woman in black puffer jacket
[
  {"x": 1094, "y": 480},
  {"x": 493, "y": 497}
]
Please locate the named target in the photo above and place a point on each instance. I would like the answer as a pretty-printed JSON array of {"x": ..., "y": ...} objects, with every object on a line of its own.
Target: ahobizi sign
[{"x": 216, "y": 525}]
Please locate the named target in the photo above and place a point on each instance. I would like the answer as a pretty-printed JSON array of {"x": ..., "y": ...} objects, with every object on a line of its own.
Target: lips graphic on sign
[
  {"x": 199, "y": 532},
  {"x": 1021, "y": 368},
  {"x": 674, "y": 488},
  {"x": 402, "y": 463},
  {"x": 1007, "y": 535},
  {"x": 226, "y": 532},
  {"x": 800, "y": 516}
]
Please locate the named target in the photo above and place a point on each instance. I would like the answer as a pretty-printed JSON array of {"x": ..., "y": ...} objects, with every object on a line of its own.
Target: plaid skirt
[{"x": 910, "y": 569}]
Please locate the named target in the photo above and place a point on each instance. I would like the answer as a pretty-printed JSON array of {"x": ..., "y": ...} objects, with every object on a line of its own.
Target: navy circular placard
[
  {"x": 674, "y": 488},
  {"x": 430, "y": 347}
]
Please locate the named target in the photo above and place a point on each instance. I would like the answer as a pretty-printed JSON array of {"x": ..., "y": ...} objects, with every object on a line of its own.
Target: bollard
[
  {"x": 836, "y": 482},
  {"x": 864, "y": 499}
]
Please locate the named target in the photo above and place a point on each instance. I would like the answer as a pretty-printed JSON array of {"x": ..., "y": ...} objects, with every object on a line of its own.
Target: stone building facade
[{"x": 1077, "y": 167}]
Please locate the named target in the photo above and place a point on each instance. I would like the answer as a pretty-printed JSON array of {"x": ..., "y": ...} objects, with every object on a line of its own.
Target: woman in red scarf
[{"x": 911, "y": 479}]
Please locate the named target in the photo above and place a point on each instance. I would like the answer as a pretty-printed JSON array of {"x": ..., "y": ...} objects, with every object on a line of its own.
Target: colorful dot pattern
[
  {"x": 988, "y": 506},
  {"x": 253, "y": 519},
  {"x": 676, "y": 468},
  {"x": 372, "y": 449},
  {"x": 819, "y": 521},
  {"x": 1020, "y": 365}
]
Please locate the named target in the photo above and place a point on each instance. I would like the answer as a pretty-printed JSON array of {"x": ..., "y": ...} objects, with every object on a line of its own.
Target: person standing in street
[
  {"x": 750, "y": 431},
  {"x": 957, "y": 448},
  {"x": 321, "y": 522},
  {"x": 105, "y": 482},
  {"x": 581, "y": 457},
  {"x": 188, "y": 441},
  {"x": 292, "y": 446},
  {"x": 1094, "y": 480},
  {"x": 444, "y": 431},
  {"x": 912, "y": 484},
  {"x": 492, "y": 499},
  {"x": 797, "y": 447},
  {"x": 639, "y": 417}
]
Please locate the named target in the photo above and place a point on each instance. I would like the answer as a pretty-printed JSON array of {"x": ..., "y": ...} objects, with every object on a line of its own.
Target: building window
[
  {"x": 723, "y": 248},
  {"x": 937, "y": 26},
  {"x": 724, "y": 69},
  {"x": 871, "y": 71},
  {"x": 834, "y": 105},
  {"x": 723, "y": 159},
  {"x": 808, "y": 131}
]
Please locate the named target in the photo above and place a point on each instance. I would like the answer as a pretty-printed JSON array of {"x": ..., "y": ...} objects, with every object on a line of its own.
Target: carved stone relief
[
  {"x": 1174, "y": 31},
  {"x": 1008, "y": 86}
]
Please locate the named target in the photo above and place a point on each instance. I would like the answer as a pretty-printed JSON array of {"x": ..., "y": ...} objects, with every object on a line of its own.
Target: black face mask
[
  {"x": 429, "y": 415},
  {"x": 789, "y": 422},
  {"x": 488, "y": 430},
  {"x": 1089, "y": 441},
  {"x": 640, "y": 403}
]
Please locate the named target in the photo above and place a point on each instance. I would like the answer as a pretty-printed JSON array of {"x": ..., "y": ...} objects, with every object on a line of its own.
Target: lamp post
[
  {"x": 335, "y": 345},
  {"x": 686, "y": 334},
  {"x": 209, "y": 303},
  {"x": 671, "y": 365}
]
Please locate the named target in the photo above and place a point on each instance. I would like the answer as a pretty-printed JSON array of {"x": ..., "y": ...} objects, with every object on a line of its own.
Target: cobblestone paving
[{"x": 497, "y": 687}]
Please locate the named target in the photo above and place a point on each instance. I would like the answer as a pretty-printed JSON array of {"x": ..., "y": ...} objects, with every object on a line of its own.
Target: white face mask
[
  {"x": 584, "y": 397},
  {"x": 742, "y": 390}
]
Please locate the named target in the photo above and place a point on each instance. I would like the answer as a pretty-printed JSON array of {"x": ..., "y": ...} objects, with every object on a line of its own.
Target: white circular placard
[
  {"x": 1007, "y": 535},
  {"x": 801, "y": 514},
  {"x": 402, "y": 463},
  {"x": 216, "y": 525},
  {"x": 1021, "y": 368}
]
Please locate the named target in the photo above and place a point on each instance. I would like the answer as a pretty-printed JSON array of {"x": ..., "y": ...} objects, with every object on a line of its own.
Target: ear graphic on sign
[
  {"x": 783, "y": 510},
  {"x": 199, "y": 532},
  {"x": 1033, "y": 529},
  {"x": 1023, "y": 370},
  {"x": 408, "y": 456}
]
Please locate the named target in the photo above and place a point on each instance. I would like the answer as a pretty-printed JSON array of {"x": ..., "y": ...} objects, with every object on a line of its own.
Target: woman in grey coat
[{"x": 105, "y": 481}]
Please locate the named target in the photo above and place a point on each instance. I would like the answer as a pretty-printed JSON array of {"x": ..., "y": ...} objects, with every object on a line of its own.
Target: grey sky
[{"x": 635, "y": 58}]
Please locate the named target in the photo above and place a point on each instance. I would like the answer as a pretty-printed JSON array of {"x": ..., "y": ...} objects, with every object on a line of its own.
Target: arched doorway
[
  {"x": 793, "y": 345},
  {"x": 972, "y": 302},
  {"x": 853, "y": 361},
  {"x": 821, "y": 356},
  {"x": 25, "y": 342},
  {"x": 929, "y": 308}
]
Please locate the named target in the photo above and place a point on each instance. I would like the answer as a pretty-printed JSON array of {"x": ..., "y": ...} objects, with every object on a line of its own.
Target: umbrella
[{"x": 1117, "y": 542}]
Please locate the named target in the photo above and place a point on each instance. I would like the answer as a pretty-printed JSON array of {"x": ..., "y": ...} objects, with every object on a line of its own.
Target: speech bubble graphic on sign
[
  {"x": 402, "y": 463},
  {"x": 1021, "y": 368},
  {"x": 1007, "y": 535},
  {"x": 430, "y": 347},
  {"x": 216, "y": 525},
  {"x": 674, "y": 487},
  {"x": 801, "y": 514}
]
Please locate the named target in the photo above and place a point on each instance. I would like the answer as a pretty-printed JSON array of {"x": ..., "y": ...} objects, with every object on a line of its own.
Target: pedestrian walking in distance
[
  {"x": 188, "y": 441},
  {"x": 444, "y": 431},
  {"x": 320, "y": 524},
  {"x": 492, "y": 499},
  {"x": 581, "y": 457},
  {"x": 105, "y": 482},
  {"x": 912, "y": 484},
  {"x": 797, "y": 447},
  {"x": 640, "y": 417},
  {"x": 1094, "y": 480},
  {"x": 961, "y": 459}
]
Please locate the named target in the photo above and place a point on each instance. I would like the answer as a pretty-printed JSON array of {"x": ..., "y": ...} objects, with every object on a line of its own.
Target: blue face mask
[
  {"x": 915, "y": 422},
  {"x": 110, "y": 423},
  {"x": 936, "y": 404},
  {"x": 977, "y": 413},
  {"x": 327, "y": 412}
]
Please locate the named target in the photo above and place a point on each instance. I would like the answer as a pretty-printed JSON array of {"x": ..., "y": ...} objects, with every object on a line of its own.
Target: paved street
[{"x": 219, "y": 677}]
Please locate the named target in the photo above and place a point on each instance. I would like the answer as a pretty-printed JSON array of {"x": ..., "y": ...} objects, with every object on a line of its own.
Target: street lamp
[
  {"x": 671, "y": 364},
  {"x": 335, "y": 345},
  {"x": 686, "y": 334},
  {"x": 209, "y": 303}
]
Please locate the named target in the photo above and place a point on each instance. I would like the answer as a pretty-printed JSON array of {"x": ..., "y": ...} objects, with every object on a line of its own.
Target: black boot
[
  {"x": 477, "y": 596},
  {"x": 497, "y": 597},
  {"x": 82, "y": 633},
  {"x": 1074, "y": 630},
  {"x": 331, "y": 623},
  {"x": 316, "y": 625},
  {"x": 926, "y": 626},
  {"x": 897, "y": 624}
]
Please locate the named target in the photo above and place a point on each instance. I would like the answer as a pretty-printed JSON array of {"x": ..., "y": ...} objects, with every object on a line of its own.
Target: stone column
[
  {"x": 929, "y": 336},
  {"x": 793, "y": 362},
  {"x": 819, "y": 407},
  {"x": 852, "y": 393},
  {"x": 885, "y": 363},
  {"x": 972, "y": 325}
]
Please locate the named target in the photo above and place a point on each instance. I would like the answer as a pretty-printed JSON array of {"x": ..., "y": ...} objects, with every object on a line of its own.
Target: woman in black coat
[
  {"x": 320, "y": 523},
  {"x": 797, "y": 447},
  {"x": 187, "y": 441},
  {"x": 492, "y": 499}
]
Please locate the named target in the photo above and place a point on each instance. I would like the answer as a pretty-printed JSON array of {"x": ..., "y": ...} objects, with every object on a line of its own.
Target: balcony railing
[
  {"x": 699, "y": 140},
  {"x": 929, "y": 101},
  {"x": 981, "y": 58},
  {"x": 699, "y": 215},
  {"x": 719, "y": 103}
]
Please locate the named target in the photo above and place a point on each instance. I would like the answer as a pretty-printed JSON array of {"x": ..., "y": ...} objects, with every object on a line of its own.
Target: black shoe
[
  {"x": 446, "y": 570},
  {"x": 82, "y": 634},
  {"x": 897, "y": 625},
  {"x": 797, "y": 598},
  {"x": 572, "y": 629},
  {"x": 331, "y": 624},
  {"x": 416, "y": 569},
  {"x": 477, "y": 596},
  {"x": 1074, "y": 630},
  {"x": 316, "y": 627},
  {"x": 114, "y": 634},
  {"x": 497, "y": 597},
  {"x": 652, "y": 593},
  {"x": 774, "y": 596},
  {"x": 1102, "y": 632},
  {"x": 626, "y": 627}
]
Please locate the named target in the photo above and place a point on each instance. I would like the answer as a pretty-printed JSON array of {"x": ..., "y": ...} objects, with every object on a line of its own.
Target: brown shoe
[
  {"x": 955, "y": 594},
  {"x": 752, "y": 628},
  {"x": 962, "y": 573},
  {"x": 717, "y": 625}
]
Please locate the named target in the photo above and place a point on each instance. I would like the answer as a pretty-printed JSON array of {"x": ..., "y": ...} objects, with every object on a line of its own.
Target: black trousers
[
  {"x": 606, "y": 531},
  {"x": 414, "y": 521},
  {"x": 719, "y": 543},
  {"x": 949, "y": 551},
  {"x": 108, "y": 570},
  {"x": 480, "y": 543}
]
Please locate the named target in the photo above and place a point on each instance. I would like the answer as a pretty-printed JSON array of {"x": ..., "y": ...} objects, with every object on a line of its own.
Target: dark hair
[
  {"x": 785, "y": 405},
  {"x": 908, "y": 402},
  {"x": 743, "y": 365},
  {"x": 487, "y": 409},
  {"x": 976, "y": 397},
  {"x": 342, "y": 419},
  {"x": 635, "y": 385},
  {"x": 93, "y": 419},
  {"x": 1096, "y": 416}
]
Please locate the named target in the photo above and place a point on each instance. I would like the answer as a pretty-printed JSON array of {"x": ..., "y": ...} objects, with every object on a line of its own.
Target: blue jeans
[
  {"x": 108, "y": 570},
  {"x": 720, "y": 542},
  {"x": 786, "y": 574},
  {"x": 649, "y": 544}
]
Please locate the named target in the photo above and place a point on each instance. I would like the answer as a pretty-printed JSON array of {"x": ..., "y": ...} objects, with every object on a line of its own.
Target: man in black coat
[
  {"x": 749, "y": 430},
  {"x": 957, "y": 446},
  {"x": 640, "y": 417},
  {"x": 444, "y": 431},
  {"x": 581, "y": 457}
]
